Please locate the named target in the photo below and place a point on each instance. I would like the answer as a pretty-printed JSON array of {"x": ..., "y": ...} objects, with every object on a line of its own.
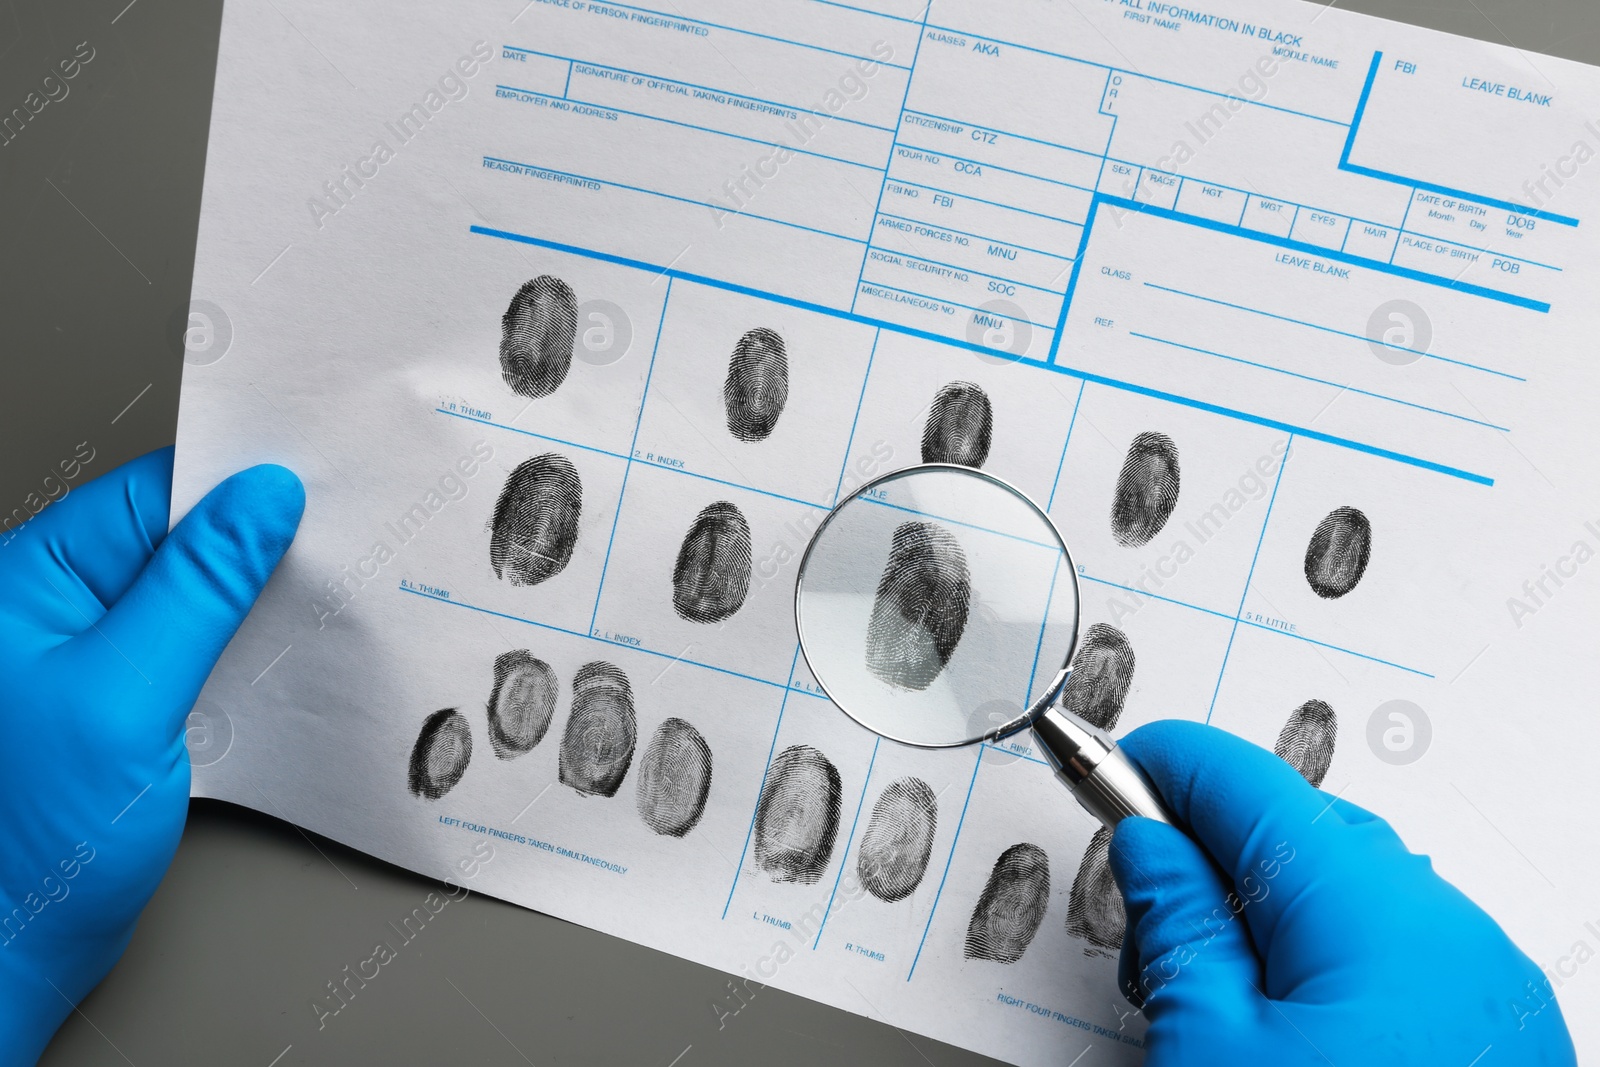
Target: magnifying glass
[{"x": 938, "y": 606}]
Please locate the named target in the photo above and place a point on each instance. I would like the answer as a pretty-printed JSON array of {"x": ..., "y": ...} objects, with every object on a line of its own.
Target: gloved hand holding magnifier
[{"x": 938, "y": 606}]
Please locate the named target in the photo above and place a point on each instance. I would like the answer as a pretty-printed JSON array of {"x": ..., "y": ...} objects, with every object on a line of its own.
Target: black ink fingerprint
[
  {"x": 1306, "y": 742},
  {"x": 895, "y": 847},
  {"x": 674, "y": 779},
  {"x": 958, "y": 427},
  {"x": 1147, "y": 489},
  {"x": 1011, "y": 907},
  {"x": 921, "y": 606},
  {"x": 797, "y": 817},
  {"x": 712, "y": 575},
  {"x": 1101, "y": 673},
  {"x": 1337, "y": 556},
  {"x": 598, "y": 744},
  {"x": 521, "y": 703},
  {"x": 536, "y": 335},
  {"x": 535, "y": 525},
  {"x": 1094, "y": 908},
  {"x": 757, "y": 386},
  {"x": 439, "y": 758}
]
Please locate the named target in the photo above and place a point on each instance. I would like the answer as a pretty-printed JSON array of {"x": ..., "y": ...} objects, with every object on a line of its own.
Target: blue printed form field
[{"x": 1276, "y": 310}]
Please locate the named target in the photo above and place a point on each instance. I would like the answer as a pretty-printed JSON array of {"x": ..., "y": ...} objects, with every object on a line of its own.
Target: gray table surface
[{"x": 99, "y": 204}]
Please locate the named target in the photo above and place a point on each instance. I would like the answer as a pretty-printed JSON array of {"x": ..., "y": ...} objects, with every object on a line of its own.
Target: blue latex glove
[
  {"x": 108, "y": 628},
  {"x": 1348, "y": 949}
]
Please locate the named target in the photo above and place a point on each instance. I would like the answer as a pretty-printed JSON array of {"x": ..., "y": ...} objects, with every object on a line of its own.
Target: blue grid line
[
  {"x": 1015, "y": 755},
  {"x": 644, "y": 396},
  {"x": 1318, "y": 381},
  {"x": 965, "y": 270},
  {"x": 1330, "y": 329},
  {"x": 967, "y": 233},
  {"x": 928, "y": 335},
  {"x": 602, "y": 640},
  {"x": 990, "y": 203},
  {"x": 693, "y": 126},
  {"x": 969, "y": 525},
  {"x": 850, "y": 839},
  {"x": 530, "y": 433},
  {"x": 732, "y": 485},
  {"x": 1038, "y": 647},
  {"x": 866, "y": 11},
  {"x": 1257, "y": 625},
  {"x": 627, "y": 459},
  {"x": 1002, "y": 133},
  {"x": 1234, "y": 632},
  {"x": 1156, "y": 596},
  {"x": 850, "y": 443},
  {"x": 944, "y": 300},
  {"x": 992, "y": 166},
  {"x": 948, "y": 860},
  {"x": 1051, "y": 503},
  {"x": 889, "y": 158},
  {"x": 751, "y": 33},
  {"x": 672, "y": 196},
  {"x": 739, "y": 868}
]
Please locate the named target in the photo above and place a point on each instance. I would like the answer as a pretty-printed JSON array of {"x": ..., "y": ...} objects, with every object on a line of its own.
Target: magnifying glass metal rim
[{"x": 1029, "y": 714}]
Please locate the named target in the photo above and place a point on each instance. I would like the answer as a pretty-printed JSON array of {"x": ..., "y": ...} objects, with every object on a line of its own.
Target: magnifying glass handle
[{"x": 1089, "y": 762}]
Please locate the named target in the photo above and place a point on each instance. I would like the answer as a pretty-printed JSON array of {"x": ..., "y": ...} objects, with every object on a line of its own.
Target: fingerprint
[
  {"x": 1011, "y": 906},
  {"x": 1094, "y": 909},
  {"x": 920, "y": 610},
  {"x": 535, "y": 525},
  {"x": 598, "y": 744},
  {"x": 898, "y": 840},
  {"x": 1147, "y": 489},
  {"x": 1101, "y": 673},
  {"x": 712, "y": 575},
  {"x": 674, "y": 779},
  {"x": 521, "y": 704},
  {"x": 536, "y": 335},
  {"x": 439, "y": 758},
  {"x": 757, "y": 386},
  {"x": 797, "y": 817},
  {"x": 958, "y": 426},
  {"x": 1337, "y": 556},
  {"x": 1306, "y": 742}
]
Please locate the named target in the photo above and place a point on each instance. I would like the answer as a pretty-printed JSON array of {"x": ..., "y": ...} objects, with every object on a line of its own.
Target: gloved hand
[
  {"x": 108, "y": 628},
  {"x": 1339, "y": 946}
]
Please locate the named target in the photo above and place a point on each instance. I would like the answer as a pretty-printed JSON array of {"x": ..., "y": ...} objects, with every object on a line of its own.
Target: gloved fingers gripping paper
[{"x": 576, "y": 318}]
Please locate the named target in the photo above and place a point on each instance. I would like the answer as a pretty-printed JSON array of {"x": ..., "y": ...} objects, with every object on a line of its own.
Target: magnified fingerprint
[
  {"x": 535, "y": 524},
  {"x": 1011, "y": 906},
  {"x": 757, "y": 386},
  {"x": 712, "y": 575},
  {"x": 921, "y": 606},
  {"x": 521, "y": 703},
  {"x": 439, "y": 758},
  {"x": 1094, "y": 908},
  {"x": 536, "y": 335},
  {"x": 674, "y": 779},
  {"x": 1147, "y": 489},
  {"x": 958, "y": 427},
  {"x": 1337, "y": 556},
  {"x": 1306, "y": 742},
  {"x": 797, "y": 817},
  {"x": 1102, "y": 671},
  {"x": 598, "y": 744},
  {"x": 895, "y": 847}
]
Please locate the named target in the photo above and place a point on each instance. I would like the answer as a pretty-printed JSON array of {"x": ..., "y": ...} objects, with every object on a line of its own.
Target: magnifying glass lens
[{"x": 935, "y": 605}]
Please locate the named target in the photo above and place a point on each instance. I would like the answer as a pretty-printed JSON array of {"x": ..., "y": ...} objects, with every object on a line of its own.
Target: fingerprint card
[{"x": 577, "y": 321}]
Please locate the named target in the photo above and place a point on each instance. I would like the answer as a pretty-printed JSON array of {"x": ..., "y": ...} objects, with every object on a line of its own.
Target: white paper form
[{"x": 1284, "y": 313}]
